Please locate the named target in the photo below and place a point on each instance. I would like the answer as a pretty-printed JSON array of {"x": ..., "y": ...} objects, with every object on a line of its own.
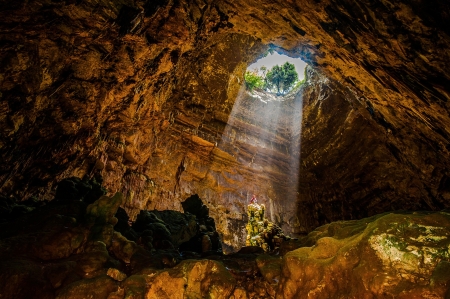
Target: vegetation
[
  {"x": 280, "y": 78},
  {"x": 300, "y": 82},
  {"x": 252, "y": 80}
]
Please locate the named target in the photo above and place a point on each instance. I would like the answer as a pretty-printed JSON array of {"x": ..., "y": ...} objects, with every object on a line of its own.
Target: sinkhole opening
[
  {"x": 275, "y": 73},
  {"x": 263, "y": 134}
]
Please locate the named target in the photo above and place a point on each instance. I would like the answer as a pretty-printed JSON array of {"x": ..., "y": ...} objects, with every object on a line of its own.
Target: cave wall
[
  {"x": 351, "y": 165},
  {"x": 140, "y": 93}
]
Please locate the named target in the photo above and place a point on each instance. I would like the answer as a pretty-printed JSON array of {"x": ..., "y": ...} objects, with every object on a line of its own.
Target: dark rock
[
  {"x": 10, "y": 208},
  {"x": 128, "y": 19},
  {"x": 182, "y": 227},
  {"x": 206, "y": 243},
  {"x": 290, "y": 245},
  {"x": 190, "y": 255},
  {"x": 195, "y": 206},
  {"x": 23, "y": 279},
  {"x": 250, "y": 250},
  {"x": 159, "y": 232},
  {"x": 122, "y": 220},
  {"x": 145, "y": 218},
  {"x": 72, "y": 189},
  {"x": 123, "y": 225},
  {"x": 193, "y": 245},
  {"x": 172, "y": 226},
  {"x": 6, "y": 205},
  {"x": 58, "y": 273}
]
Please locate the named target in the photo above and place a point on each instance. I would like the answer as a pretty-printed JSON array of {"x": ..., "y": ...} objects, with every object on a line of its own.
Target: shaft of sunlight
[{"x": 263, "y": 134}]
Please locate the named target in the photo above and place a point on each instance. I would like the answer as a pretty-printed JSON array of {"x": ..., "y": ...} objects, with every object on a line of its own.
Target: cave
[{"x": 114, "y": 113}]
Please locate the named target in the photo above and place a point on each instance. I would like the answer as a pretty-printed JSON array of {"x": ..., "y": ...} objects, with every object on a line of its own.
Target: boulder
[
  {"x": 166, "y": 226},
  {"x": 192, "y": 279},
  {"x": 395, "y": 255},
  {"x": 195, "y": 206},
  {"x": 98, "y": 287},
  {"x": 23, "y": 279},
  {"x": 72, "y": 189}
]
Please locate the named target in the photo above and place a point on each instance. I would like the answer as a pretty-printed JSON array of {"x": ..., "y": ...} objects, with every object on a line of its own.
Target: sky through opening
[{"x": 273, "y": 59}]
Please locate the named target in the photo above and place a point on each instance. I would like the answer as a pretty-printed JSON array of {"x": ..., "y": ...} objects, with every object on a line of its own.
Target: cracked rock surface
[{"x": 139, "y": 94}]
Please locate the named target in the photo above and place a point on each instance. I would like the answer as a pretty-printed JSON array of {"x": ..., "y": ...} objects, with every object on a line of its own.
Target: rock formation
[
  {"x": 401, "y": 255},
  {"x": 139, "y": 93},
  {"x": 260, "y": 231},
  {"x": 69, "y": 249},
  {"x": 146, "y": 99}
]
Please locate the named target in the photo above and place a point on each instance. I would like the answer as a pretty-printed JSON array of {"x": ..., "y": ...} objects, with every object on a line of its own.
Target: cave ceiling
[{"x": 139, "y": 94}]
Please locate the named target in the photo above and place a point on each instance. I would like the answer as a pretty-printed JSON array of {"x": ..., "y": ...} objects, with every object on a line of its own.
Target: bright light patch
[{"x": 273, "y": 59}]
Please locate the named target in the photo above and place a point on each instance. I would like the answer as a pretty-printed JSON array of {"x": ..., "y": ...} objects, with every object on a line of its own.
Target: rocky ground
[
  {"x": 79, "y": 247},
  {"x": 142, "y": 92},
  {"x": 142, "y": 97}
]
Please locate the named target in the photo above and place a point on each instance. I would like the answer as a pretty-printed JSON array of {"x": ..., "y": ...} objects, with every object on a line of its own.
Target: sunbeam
[{"x": 263, "y": 134}]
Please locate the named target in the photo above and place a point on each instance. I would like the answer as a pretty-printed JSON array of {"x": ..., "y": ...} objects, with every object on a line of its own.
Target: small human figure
[{"x": 253, "y": 200}]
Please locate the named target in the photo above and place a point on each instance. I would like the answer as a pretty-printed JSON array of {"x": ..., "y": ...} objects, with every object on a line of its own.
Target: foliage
[
  {"x": 274, "y": 78},
  {"x": 300, "y": 82},
  {"x": 252, "y": 80},
  {"x": 282, "y": 78},
  {"x": 290, "y": 76}
]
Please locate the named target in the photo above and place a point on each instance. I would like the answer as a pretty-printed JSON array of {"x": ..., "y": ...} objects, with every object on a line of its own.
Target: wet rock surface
[
  {"x": 398, "y": 255},
  {"x": 47, "y": 254},
  {"x": 71, "y": 248},
  {"x": 141, "y": 94}
]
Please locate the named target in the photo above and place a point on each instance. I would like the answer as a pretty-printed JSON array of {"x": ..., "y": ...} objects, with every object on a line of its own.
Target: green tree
[
  {"x": 290, "y": 76},
  {"x": 275, "y": 78},
  {"x": 282, "y": 78},
  {"x": 252, "y": 80}
]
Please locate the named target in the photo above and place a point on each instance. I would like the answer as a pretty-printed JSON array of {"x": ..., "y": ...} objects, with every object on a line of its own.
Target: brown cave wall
[
  {"x": 351, "y": 165},
  {"x": 141, "y": 92}
]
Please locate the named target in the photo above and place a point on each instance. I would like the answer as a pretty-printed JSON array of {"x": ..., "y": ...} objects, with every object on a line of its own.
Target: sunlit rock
[
  {"x": 148, "y": 97},
  {"x": 99, "y": 287},
  {"x": 116, "y": 274},
  {"x": 260, "y": 231},
  {"x": 192, "y": 279},
  {"x": 404, "y": 255}
]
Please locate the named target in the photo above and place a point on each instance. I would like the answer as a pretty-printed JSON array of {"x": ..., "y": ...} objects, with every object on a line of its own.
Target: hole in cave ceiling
[{"x": 275, "y": 73}]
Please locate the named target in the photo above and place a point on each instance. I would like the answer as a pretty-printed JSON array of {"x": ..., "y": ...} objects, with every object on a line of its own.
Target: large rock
[
  {"x": 171, "y": 226},
  {"x": 192, "y": 279},
  {"x": 23, "y": 279},
  {"x": 195, "y": 206},
  {"x": 99, "y": 287},
  {"x": 141, "y": 93},
  {"x": 404, "y": 255}
]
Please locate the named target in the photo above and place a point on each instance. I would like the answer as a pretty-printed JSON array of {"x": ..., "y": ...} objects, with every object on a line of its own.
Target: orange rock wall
[{"x": 140, "y": 93}]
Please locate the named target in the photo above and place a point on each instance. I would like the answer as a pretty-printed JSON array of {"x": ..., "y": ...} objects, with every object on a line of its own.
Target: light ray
[{"x": 263, "y": 133}]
